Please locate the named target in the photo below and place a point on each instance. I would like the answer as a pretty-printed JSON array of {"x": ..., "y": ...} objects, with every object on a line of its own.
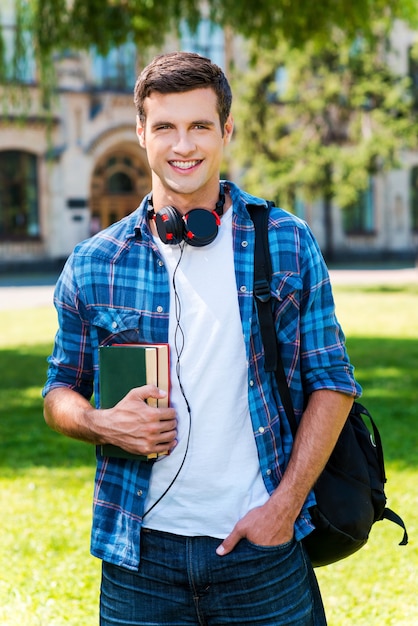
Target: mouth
[{"x": 185, "y": 165}]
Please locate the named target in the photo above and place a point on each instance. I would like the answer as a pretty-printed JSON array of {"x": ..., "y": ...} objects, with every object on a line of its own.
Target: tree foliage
[
  {"x": 343, "y": 116},
  {"x": 58, "y": 25},
  {"x": 318, "y": 122}
]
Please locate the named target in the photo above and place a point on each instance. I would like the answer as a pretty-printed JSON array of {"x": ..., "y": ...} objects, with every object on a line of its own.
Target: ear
[
  {"x": 228, "y": 129},
  {"x": 140, "y": 132}
]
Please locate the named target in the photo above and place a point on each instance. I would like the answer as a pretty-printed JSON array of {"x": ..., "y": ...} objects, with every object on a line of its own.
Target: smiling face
[{"x": 184, "y": 141}]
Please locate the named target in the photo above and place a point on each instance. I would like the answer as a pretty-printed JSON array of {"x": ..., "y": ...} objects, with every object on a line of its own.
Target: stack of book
[{"x": 123, "y": 367}]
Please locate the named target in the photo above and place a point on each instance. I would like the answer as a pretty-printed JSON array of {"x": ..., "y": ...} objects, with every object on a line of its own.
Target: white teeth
[{"x": 184, "y": 165}]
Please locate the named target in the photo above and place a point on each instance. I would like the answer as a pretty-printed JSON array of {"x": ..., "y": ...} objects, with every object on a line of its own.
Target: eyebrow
[
  {"x": 193, "y": 123},
  {"x": 203, "y": 123}
]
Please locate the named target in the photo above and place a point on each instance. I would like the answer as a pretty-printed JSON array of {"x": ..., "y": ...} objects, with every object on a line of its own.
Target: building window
[
  {"x": 116, "y": 70},
  {"x": 299, "y": 207},
  {"x": 413, "y": 73},
  {"x": 19, "y": 54},
  {"x": 358, "y": 218},
  {"x": 208, "y": 40},
  {"x": 19, "y": 218},
  {"x": 414, "y": 198}
]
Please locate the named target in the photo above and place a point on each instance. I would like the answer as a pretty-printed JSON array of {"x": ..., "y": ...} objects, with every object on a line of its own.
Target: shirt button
[
  {"x": 243, "y": 288},
  {"x": 160, "y": 263},
  {"x": 114, "y": 324},
  {"x": 251, "y": 383},
  {"x": 261, "y": 429},
  {"x": 160, "y": 309},
  {"x": 244, "y": 244},
  {"x": 139, "y": 492},
  {"x": 268, "y": 472}
]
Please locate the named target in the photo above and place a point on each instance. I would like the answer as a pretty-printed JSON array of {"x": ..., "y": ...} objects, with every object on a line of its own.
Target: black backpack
[{"x": 350, "y": 491}]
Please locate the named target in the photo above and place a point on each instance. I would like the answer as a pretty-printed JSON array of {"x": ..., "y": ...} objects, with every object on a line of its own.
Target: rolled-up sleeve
[{"x": 324, "y": 360}]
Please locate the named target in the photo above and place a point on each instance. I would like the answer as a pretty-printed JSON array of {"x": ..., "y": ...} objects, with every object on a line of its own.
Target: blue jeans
[{"x": 182, "y": 581}]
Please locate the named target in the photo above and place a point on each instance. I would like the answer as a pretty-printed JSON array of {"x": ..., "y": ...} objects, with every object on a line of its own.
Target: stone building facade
[
  {"x": 68, "y": 171},
  {"x": 72, "y": 169}
]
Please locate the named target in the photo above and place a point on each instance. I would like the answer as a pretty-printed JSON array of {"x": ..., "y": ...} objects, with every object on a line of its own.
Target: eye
[{"x": 162, "y": 127}]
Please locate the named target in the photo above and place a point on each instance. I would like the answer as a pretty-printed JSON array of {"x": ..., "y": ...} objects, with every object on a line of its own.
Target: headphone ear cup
[
  {"x": 200, "y": 227},
  {"x": 170, "y": 225}
]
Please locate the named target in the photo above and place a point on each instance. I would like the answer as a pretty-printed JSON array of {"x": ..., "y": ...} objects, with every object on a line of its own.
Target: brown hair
[{"x": 177, "y": 72}]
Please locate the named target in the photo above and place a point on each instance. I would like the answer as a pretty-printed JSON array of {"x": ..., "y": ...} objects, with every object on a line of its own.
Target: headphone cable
[{"x": 179, "y": 347}]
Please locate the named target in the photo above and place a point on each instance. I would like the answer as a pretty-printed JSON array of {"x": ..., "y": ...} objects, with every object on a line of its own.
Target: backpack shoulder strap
[
  {"x": 262, "y": 277},
  {"x": 259, "y": 214}
]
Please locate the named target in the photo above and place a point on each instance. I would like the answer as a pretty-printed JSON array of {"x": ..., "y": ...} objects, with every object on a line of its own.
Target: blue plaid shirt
[{"x": 114, "y": 288}]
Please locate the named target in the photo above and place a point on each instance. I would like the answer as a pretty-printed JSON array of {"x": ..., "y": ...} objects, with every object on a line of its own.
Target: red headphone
[{"x": 198, "y": 227}]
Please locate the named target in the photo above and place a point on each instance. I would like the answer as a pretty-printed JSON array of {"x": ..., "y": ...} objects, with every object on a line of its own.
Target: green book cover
[{"x": 125, "y": 366}]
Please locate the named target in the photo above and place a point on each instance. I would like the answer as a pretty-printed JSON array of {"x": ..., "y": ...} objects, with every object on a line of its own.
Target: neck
[
  {"x": 204, "y": 198},
  {"x": 222, "y": 203}
]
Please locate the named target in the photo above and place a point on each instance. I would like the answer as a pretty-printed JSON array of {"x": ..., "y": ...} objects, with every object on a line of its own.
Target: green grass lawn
[
  {"x": 48, "y": 578},
  {"x": 377, "y": 586}
]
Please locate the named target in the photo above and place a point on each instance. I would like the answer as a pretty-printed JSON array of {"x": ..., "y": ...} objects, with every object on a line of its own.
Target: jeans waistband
[{"x": 174, "y": 536}]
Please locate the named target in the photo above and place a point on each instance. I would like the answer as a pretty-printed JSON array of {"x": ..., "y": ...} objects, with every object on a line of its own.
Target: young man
[{"x": 210, "y": 533}]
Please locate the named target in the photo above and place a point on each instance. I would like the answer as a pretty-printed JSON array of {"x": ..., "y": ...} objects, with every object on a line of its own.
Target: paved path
[
  {"x": 25, "y": 297},
  {"x": 21, "y": 296},
  {"x": 403, "y": 276}
]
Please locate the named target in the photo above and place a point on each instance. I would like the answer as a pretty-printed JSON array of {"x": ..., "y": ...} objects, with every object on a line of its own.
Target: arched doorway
[{"x": 119, "y": 182}]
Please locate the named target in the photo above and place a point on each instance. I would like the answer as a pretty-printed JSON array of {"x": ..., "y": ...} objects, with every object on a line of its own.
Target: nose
[{"x": 184, "y": 144}]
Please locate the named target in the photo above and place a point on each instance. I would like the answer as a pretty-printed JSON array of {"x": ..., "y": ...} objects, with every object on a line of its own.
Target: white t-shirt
[{"x": 220, "y": 480}]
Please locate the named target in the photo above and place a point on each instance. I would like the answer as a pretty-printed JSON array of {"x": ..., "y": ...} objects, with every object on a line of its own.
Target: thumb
[
  {"x": 154, "y": 395},
  {"x": 229, "y": 543},
  {"x": 157, "y": 393},
  {"x": 148, "y": 391}
]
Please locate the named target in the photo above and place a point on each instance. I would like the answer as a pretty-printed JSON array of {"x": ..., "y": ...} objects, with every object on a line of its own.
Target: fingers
[
  {"x": 258, "y": 527},
  {"x": 229, "y": 542},
  {"x": 157, "y": 434},
  {"x": 165, "y": 433},
  {"x": 137, "y": 426}
]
